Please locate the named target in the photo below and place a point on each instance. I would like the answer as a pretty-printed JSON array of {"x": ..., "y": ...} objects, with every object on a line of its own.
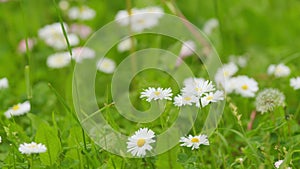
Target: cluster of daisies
[
  {"x": 196, "y": 91},
  {"x": 18, "y": 110},
  {"x": 144, "y": 138}
]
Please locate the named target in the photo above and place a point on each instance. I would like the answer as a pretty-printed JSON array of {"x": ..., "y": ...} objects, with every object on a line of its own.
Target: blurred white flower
[
  {"x": 210, "y": 25},
  {"x": 156, "y": 94},
  {"x": 106, "y": 65},
  {"x": 278, "y": 163},
  {"x": 126, "y": 44},
  {"x": 239, "y": 60},
  {"x": 268, "y": 99},
  {"x": 81, "y": 13},
  {"x": 194, "y": 141},
  {"x": 32, "y": 148},
  {"x": 0, "y": 139},
  {"x": 212, "y": 97},
  {"x": 83, "y": 31},
  {"x": 4, "y": 83},
  {"x": 279, "y": 70},
  {"x": 22, "y": 45},
  {"x": 54, "y": 37},
  {"x": 18, "y": 109},
  {"x": 295, "y": 83},
  {"x": 81, "y": 53},
  {"x": 59, "y": 60},
  {"x": 140, "y": 142},
  {"x": 223, "y": 75},
  {"x": 182, "y": 100},
  {"x": 245, "y": 86},
  {"x": 187, "y": 49},
  {"x": 140, "y": 19},
  {"x": 64, "y": 5}
]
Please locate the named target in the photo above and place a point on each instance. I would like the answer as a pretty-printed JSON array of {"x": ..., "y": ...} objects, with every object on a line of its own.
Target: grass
[{"x": 265, "y": 30}]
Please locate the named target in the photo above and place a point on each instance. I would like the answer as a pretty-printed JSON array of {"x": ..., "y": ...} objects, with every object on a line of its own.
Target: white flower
[
  {"x": 212, "y": 98},
  {"x": 64, "y": 4},
  {"x": 126, "y": 44},
  {"x": 295, "y": 83},
  {"x": 140, "y": 19},
  {"x": 210, "y": 25},
  {"x": 239, "y": 60},
  {"x": 198, "y": 88},
  {"x": 278, "y": 163},
  {"x": 156, "y": 94},
  {"x": 182, "y": 100},
  {"x": 194, "y": 141},
  {"x": 54, "y": 37},
  {"x": 83, "y": 31},
  {"x": 81, "y": 53},
  {"x": 188, "y": 48},
  {"x": 59, "y": 60},
  {"x": 106, "y": 65},
  {"x": 18, "y": 109},
  {"x": 224, "y": 73},
  {"x": 0, "y": 139},
  {"x": 32, "y": 148},
  {"x": 81, "y": 13},
  {"x": 3, "y": 83},
  {"x": 279, "y": 70},
  {"x": 245, "y": 86},
  {"x": 140, "y": 142},
  {"x": 192, "y": 80}
]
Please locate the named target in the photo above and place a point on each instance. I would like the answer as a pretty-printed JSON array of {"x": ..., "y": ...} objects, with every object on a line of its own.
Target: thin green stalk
[{"x": 27, "y": 79}]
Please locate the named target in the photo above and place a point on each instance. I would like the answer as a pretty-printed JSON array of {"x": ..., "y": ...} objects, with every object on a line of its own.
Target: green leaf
[
  {"x": 169, "y": 159},
  {"x": 46, "y": 135}
]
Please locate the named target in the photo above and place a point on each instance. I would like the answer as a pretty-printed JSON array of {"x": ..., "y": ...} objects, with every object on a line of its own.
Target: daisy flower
[
  {"x": 106, "y": 65},
  {"x": 140, "y": 19},
  {"x": 4, "y": 83},
  {"x": 81, "y": 53},
  {"x": 268, "y": 99},
  {"x": 279, "y": 70},
  {"x": 83, "y": 31},
  {"x": 245, "y": 86},
  {"x": 18, "y": 109},
  {"x": 22, "y": 45},
  {"x": 239, "y": 60},
  {"x": 294, "y": 82},
  {"x": 210, "y": 25},
  {"x": 125, "y": 45},
  {"x": 187, "y": 49},
  {"x": 140, "y": 142},
  {"x": 156, "y": 94},
  {"x": 225, "y": 72},
  {"x": 278, "y": 163},
  {"x": 194, "y": 141},
  {"x": 198, "y": 88},
  {"x": 58, "y": 60},
  {"x": 54, "y": 37},
  {"x": 32, "y": 148},
  {"x": 81, "y": 13},
  {"x": 182, "y": 100},
  {"x": 212, "y": 98},
  {"x": 64, "y": 5}
]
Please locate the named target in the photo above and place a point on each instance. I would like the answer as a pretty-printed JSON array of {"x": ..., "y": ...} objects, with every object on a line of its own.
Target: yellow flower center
[
  {"x": 226, "y": 73},
  {"x": 16, "y": 107},
  {"x": 187, "y": 98},
  {"x": 195, "y": 140},
  {"x": 32, "y": 146},
  {"x": 157, "y": 93},
  {"x": 245, "y": 87},
  {"x": 198, "y": 89},
  {"x": 209, "y": 98},
  {"x": 140, "y": 142}
]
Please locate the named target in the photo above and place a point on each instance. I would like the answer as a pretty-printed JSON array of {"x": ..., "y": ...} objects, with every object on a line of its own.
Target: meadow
[{"x": 127, "y": 84}]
